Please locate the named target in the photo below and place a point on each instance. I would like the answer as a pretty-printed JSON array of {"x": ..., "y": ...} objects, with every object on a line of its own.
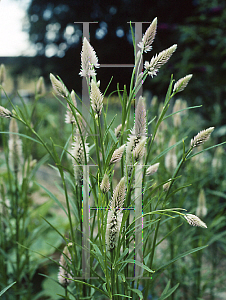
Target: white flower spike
[
  {"x": 158, "y": 60},
  {"x": 193, "y": 220},
  {"x": 148, "y": 37},
  {"x": 5, "y": 113},
  {"x": 89, "y": 60},
  {"x": 181, "y": 84},
  {"x": 201, "y": 137}
]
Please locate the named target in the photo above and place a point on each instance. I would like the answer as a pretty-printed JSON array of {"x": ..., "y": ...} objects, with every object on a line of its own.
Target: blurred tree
[
  {"x": 197, "y": 27},
  {"x": 57, "y": 37},
  {"x": 203, "y": 53}
]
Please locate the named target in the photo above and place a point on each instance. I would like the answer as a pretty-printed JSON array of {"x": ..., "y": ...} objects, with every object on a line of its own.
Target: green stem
[
  {"x": 17, "y": 240},
  {"x": 101, "y": 142},
  {"x": 114, "y": 287}
]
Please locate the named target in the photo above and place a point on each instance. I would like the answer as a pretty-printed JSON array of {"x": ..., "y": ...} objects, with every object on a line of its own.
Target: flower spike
[
  {"x": 158, "y": 60},
  {"x": 148, "y": 37},
  {"x": 193, "y": 220},
  {"x": 201, "y": 137},
  {"x": 181, "y": 84},
  {"x": 89, "y": 60}
]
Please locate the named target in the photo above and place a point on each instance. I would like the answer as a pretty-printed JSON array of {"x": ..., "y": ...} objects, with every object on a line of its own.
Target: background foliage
[{"x": 197, "y": 26}]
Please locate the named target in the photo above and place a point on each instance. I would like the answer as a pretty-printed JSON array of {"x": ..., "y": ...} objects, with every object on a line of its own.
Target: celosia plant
[{"x": 118, "y": 233}]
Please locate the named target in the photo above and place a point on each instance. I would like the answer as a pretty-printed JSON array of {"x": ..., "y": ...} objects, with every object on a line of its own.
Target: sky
[{"x": 13, "y": 41}]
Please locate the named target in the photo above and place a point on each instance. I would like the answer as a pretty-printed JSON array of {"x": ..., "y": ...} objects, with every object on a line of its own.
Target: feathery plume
[
  {"x": 135, "y": 150},
  {"x": 201, "y": 210},
  {"x": 135, "y": 146},
  {"x": 118, "y": 194},
  {"x": 105, "y": 184},
  {"x": 114, "y": 218},
  {"x": 194, "y": 221},
  {"x": 118, "y": 130},
  {"x": 178, "y": 105},
  {"x": 140, "y": 118},
  {"x": 96, "y": 98},
  {"x": 152, "y": 169},
  {"x": 166, "y": 186},
  {"x": 89, "y": 60},
  {"x": 158, "y": 60},
  {"x": 5, "y": 113},
  {"x": 69, "y": 117},
  {"x": 217, "y": 158},
  {"x": 139, "y": 149},
  {"x": 79, "y": 152},
  {"x": 2, "y": 74},
  {"x": 117, "y": 154},
  {"x": 65, "y": 260},
  {"x": 58, "y": 86},
  {"x": 15, "y": 147},
  {"x": 40, "y": 86},
  {"x": 201, "y": 137},
  {"x": 148, "y": 37},
  {"x": 181, "y": 84}
]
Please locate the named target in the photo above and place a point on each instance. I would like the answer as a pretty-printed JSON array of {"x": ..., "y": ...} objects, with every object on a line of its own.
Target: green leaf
[
  {"x": 165, "y": 151},
  {"x": 166, "y": 293},
  {"x": 6, "y": 288},
  {"x": 92, "y": 286},
  {"x": 113, "y": 135},
  {"x": 138, "y": 292},
  {"x": 191, "y": 107},
  {"x": 23, "y": 135},
  {"x": 133, "y": 261},
  {"x": 97, "y": 253},
  {"x": 123, "y": 255},
  {"x": 214, "y": 146},
  {"x": 108, "y": 128},
  {"x": 122, "y": 295},
  {"x": 52, "y": 197},
  {"x": 180, "y": 256}
]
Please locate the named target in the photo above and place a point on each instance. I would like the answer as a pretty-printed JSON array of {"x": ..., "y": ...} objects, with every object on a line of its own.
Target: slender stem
[
  {"x": 113, "y": 283},
  {"x": 17, "y": 216},
  {"x": 101, "y": 142}
]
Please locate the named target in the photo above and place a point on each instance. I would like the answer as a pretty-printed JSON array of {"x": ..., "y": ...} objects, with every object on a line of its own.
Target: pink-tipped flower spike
[
  {"x": 5, "y": 113},
  {"x": 159, "y": 60},
  {"x": 96, "y": 98},
  {"x": 166, "y": 186},
  {"x": 148, "y": 37},
  {"x": 69, "y": 117},
  {"x": 118, "y": 130},
  {"x": 194, "y": 221},
  {"x": 79, "y": 152},
  {"x": 181, "y": 84},
  {"x": 201, "y": 137},
  {"x": 40, "y": 86},
  {"x": 2, "y": 74},
  {"x": 140, "y": 118},
  {"x": 117, "y": 154},
  {"x": 89, "y": 60},
  {"x": 114, "y": 218},
  {"x": 58, "y": 86},
  {"x": 15, "y": 147},
  {"x": 135, "y": 146},
  {"x": 64, "y": 275},
  {"x": 105, "y": 184},
  {"x": 139, "y": 150},
  {"x": 152, "y": 169},
  {"x": 201, "y": 210}
]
